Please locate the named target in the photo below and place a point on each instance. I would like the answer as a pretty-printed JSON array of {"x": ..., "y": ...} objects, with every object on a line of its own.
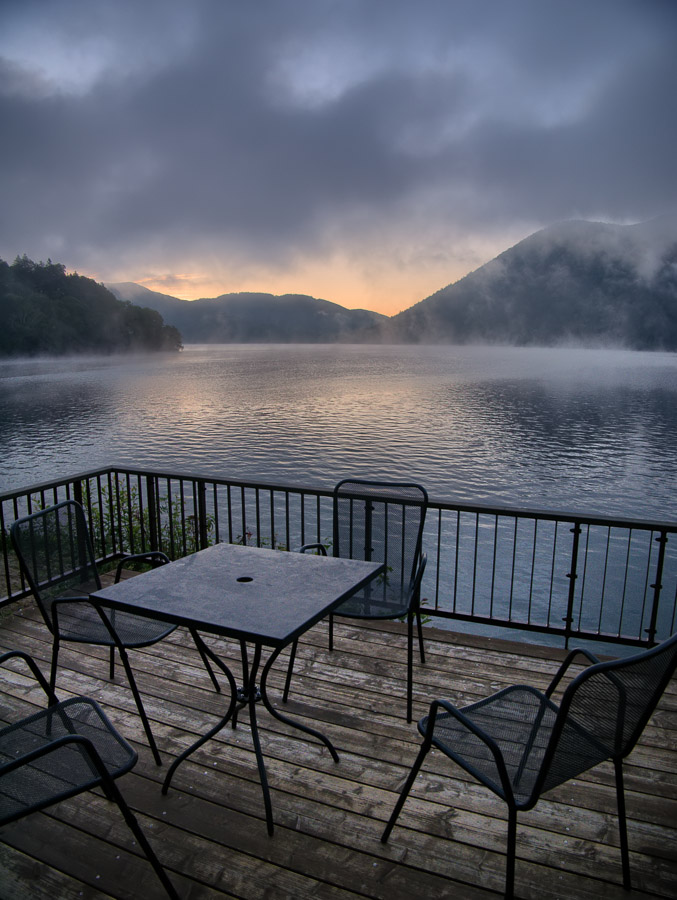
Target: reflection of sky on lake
[{"x": 562, "y": 429}]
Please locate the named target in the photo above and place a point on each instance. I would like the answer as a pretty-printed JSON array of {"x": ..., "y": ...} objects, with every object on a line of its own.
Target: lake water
[{"x": 570, "y": 430}]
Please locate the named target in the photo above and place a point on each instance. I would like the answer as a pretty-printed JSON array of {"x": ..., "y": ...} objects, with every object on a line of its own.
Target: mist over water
[{"x": 581, "y": 430}]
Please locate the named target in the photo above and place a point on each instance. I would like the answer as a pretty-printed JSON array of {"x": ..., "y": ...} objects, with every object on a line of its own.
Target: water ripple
[{"x": 563, "y": 429}]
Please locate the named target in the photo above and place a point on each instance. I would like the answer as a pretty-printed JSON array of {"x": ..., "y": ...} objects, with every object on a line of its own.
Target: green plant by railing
[{"x": 126, "y": 516}]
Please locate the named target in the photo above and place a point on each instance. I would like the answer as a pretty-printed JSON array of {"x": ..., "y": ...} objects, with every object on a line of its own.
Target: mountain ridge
[
  {"x": 250, "y": 316},
  {"x": 574, "y": 282}
]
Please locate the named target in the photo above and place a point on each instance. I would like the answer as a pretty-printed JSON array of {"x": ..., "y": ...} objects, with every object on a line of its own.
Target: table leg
[
  {"x": 286, "y": 719},
  {"x": 253, "y": 696},
  {"x": 212, "y": 731},
  {"x": 247, "y": 684},
  {"x": 249, "y": 696}
]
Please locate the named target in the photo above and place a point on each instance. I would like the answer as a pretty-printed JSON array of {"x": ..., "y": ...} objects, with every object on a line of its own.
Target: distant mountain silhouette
[
  {"x": 584, "y": 283},
  {"x": 577, "y": 282},
  {"x": 255, "y": 318}
]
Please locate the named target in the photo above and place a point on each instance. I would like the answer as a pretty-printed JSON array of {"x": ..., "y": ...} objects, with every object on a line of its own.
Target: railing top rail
[
  {"x": 666, "y": 526},
  {"x": 162, "y": 473},
  {"x": 553, "y": 515}
]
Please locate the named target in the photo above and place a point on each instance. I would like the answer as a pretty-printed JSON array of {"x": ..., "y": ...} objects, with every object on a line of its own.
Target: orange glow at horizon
[{"x": 383, "y": 292}]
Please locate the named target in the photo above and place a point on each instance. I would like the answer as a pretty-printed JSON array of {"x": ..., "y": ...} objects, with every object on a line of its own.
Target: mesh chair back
[
  {"x": 605, "y": 709},
  {"x": 56, "y": 554},
  {"x": 382, "y": 522}
]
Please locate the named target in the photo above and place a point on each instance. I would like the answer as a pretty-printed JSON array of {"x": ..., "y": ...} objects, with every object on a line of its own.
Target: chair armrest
[
  {"x": 460, "y": 716},
  {"x": 154, "y": 558},
  {"x": 51, "y": 747},
  {"x": 565, "y": 665},
  {"x": 478, "y": 732},
  {"x": 320, "y": 547},
  {"x": 99, "y": 607},
  {"x": 32, "y": 665},
  {"x": 65, "y": 601}
]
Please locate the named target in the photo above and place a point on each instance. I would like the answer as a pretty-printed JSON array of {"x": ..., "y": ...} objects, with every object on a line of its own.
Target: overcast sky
[{"x": 367, "y": 152}]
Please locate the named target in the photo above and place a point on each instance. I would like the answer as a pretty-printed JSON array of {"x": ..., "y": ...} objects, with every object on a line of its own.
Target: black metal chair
[
  {"x": 55, "y": 552},
  {"x": 520, "y": 743},
  {"x": 383, "y": 521},
  {"x": 66, "y": 749}
]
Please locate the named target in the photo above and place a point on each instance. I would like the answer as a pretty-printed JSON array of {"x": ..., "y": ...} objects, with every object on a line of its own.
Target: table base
[{"x": 248, "y": 696}]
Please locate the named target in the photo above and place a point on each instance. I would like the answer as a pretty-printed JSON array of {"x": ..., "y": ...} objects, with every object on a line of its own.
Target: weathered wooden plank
[
  {"x": 450, "y": 840},
  {"x": 24, "y": 878},
  {"x": 86, "y": 857}
]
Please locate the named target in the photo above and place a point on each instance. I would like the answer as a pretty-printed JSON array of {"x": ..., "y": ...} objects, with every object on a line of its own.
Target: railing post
[
  {"x": 662, "y": 540},
  {"x": 152, "y": 513},
  {"x": 78, "y": 496},
  {"x": 572, "y": 576},
  {"x": 203, "y": 530}
]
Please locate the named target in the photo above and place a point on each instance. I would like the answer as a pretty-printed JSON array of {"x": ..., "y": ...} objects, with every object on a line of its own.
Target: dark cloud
[{"x": 268, "y": 130}]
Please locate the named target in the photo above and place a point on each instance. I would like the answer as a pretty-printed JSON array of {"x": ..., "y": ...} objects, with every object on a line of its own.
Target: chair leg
[
  {"x": 425, "y": 746},
  {"x": 410, "y": 664},
  {"x": 290, "y": 669},
  {"x": 510, "y": 860},
  {"x": 111, "y": 663},
  {"x": 622, "y": 824},
  {"x": 55, "y": 657},
  {"x": 139, "y": 705},
  {"x": 420, "y": 636},
  {"x": 112, "y": 791}
]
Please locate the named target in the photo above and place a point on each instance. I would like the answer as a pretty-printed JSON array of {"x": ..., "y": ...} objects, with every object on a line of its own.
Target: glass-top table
[{"x": 264, "y": 598}]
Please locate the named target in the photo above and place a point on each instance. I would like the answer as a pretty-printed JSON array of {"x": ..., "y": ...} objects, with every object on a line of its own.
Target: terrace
[{"x": 450, "y": 841}]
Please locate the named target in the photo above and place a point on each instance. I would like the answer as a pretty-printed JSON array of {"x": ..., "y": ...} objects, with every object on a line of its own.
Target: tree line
[{"x": 45, "y": 311}]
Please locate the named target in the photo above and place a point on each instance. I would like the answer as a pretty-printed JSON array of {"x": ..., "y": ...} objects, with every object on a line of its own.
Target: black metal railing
[{"x": 589, "y": 577}]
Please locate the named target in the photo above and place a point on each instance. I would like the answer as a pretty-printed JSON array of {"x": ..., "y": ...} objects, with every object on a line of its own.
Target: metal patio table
[{"x": 266, "y": 598}]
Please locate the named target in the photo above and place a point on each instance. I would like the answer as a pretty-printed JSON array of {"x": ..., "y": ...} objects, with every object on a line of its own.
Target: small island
[{"x": 45, "y": 311}]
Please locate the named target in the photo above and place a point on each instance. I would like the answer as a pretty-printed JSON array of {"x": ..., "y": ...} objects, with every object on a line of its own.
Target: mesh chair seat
[
  {"x": 520, "y": 721},
  {"x": 81, "y": 622},
  {"x": 68, "y": 769},
  {"x": 379, "y": 601}
]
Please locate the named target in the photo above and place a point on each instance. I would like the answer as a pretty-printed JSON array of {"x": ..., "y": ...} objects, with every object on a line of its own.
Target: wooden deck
[{"x": 210, "y": 830}]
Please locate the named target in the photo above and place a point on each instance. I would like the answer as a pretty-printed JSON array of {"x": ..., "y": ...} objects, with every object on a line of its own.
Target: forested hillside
[
  {"x": 585, "y": 283},
  {"x": 43, "y": 310}
]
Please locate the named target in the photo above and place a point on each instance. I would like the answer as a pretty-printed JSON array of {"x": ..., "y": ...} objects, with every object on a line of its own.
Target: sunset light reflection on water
[{"x": 546, "y": 428}]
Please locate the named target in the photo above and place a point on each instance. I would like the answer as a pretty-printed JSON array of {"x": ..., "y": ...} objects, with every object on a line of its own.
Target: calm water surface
[{"x": 579, "y": 430}]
